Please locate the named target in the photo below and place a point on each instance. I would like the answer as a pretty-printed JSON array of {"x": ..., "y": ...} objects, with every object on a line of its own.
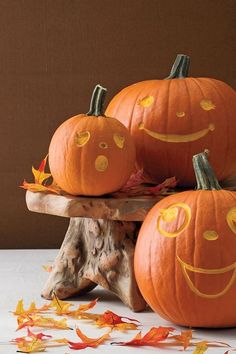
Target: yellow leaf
[
  {"x": 201, "y": 348},
  {"x": 33, "y": 346}
]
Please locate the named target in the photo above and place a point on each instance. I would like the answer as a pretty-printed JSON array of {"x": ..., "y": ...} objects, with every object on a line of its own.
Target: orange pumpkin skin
[
  {"x": 206, "y": 244},
  {"x": 91, "y": 155},
  {"x": 172, "y": 110}
]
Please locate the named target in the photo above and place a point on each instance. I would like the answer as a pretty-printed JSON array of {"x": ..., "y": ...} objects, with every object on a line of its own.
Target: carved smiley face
[
  {"x": 174, "y": 221},
  {"x": 205, "y": 104},
  {"x": 101, "y": 162}
]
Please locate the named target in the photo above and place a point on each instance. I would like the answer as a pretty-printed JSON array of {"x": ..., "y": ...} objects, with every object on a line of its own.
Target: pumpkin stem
[
  {"x": 205, "y": 175},
  {"x": 97, "y": 101},
  {"x": 180, "y": 67}
]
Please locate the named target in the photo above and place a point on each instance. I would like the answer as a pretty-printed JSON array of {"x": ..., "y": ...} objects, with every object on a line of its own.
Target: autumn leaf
[
  {"x": 151, "y": 338},
  {"x": 41, "y": 180},
  {"x": 34, "y": 346},
  {"x": 201, "y": 348},
  {"x": 88, "y": 342},
  {"x": 138, "y": 184},
  {"x": 86, "y": 307},
  {"x": 47, "y": 268},
  {"x": 41, "y": 321},
  {"x": 184, "y": 338},
  {"x": 112, "y": 320},
  {"x": 32, "y": 309},
  {"x": 39, "y": 175},
  {"x": 61, "y": 307}
]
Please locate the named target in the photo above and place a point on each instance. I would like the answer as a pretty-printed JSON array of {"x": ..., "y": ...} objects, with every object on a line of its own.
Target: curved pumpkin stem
[
  {"x": 205, "y": 175},
  {"x": 180, "y": 67},
  {"x": 97, "y": 101}
]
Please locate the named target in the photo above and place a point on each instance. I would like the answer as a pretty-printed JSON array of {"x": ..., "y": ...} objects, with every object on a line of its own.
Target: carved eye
[
  {"x": 173, "y": 220},
  {"x": 231, "y": 219},
  {"x": 82, "y": 138},
  {"x": 119, "y": 140}
]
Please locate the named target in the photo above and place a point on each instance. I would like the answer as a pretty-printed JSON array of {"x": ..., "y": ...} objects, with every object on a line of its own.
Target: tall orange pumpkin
[
  {"x": 91, "y": 154},
  {"x": 185, "y": 256},
  {"x": 173, "y": 119}
]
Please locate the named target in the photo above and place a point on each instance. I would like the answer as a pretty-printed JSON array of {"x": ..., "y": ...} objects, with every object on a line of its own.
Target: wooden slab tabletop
[{"x": 122, "y": 208}]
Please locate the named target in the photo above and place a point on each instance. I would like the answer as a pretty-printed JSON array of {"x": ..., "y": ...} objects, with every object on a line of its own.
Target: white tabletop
[{"x": 22, "y": 277}]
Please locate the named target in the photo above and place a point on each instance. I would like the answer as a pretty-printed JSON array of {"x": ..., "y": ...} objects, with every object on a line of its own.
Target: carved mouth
[
  {"x": 186, "y": 267},
  {"x": 178, "y": 138}
]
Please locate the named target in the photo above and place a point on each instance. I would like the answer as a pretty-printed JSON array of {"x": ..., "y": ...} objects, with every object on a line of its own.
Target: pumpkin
[
  {"x": 173, "y": 119},
  {"x": 185, "y": 255},
  {"x": 91, "y": 154}
]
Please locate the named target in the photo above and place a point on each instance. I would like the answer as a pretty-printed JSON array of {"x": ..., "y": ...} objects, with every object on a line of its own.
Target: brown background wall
[{"x": 53, "y": 52}]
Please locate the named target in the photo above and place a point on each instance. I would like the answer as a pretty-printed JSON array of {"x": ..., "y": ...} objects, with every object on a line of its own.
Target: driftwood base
[{"x": 96, "y": 252}]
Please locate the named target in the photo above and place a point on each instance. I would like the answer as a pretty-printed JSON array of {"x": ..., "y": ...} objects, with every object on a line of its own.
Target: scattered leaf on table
[
  {"x": 86, "y": 307},
  {"x": 151, "y": 338},
  {"x": 184, "y": 338},
  {"x": 201, "y": 348},
  {"x": 138, "y": 185},
  {"x": 42, "y": 181},
  {"x": 88, "y": 342},
  {"x": 61, "y": 307},
  {"x": 32, "y": 308},
  {"x": 112, "y": 320},
  {"x": 41, "y": 321},
  {"x": 30, "y": 334},
  {"x": 33, "y": 346},
  {"x": 47, "y": 268}
]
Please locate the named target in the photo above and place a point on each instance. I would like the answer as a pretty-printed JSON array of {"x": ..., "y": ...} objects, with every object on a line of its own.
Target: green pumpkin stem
[
  {"x": 180, "y": 67},
  {"x": 205, "y": 175},
  {"x": 97, "y": 101}
]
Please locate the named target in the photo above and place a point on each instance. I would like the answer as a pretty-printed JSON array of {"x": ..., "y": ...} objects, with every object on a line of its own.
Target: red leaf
[
  {"x": 88, "y": 342},
  {"x": 151, "y": 338}
]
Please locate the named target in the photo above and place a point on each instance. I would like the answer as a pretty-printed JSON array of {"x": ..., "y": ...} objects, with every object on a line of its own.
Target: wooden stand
[{"x": 99, "y": 244}]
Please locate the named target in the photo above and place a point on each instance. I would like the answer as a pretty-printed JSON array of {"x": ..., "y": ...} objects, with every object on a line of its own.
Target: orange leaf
[
  {"x": 32, "y": 309},
  {"x": 138, "y": 184},
  {"x": 88, "y": 342},
  {"x": 86, "y": 307},
  {"x": 40, "y": 180},
  {"x": 184, "y": 338},
  {"x": 151, "y": 338},
  {"x": 112, "y": 320},
  {"x": 40, "y": 321}
]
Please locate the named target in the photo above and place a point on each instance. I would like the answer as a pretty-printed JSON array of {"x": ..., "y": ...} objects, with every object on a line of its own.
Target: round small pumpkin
[
  {"x": 173, "y": 119},
  {"x": 185, "y": 256},
  {"x": 91, "y": 154}
]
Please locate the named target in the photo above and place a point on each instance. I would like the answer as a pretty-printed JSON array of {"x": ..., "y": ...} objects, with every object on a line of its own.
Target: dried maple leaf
[
  {"x": 86, "y": 307},
  {"x": 32, "y": 309},
  {"x": 201, "y": 348},
  {"x": 62, "y": 307},
  {"x": 88, "y": 342},
  {"x": 40, "y": 321},
  {"x": 41, "y": 180},
  {"x": 151, "y": 338},
  {"x": 47, "y": 268},
  {"x": 30, "y": 334},
  {"x": 112, "y": 320},
  {"x": 33, "y": 346},
  {"x": 139, "y": 185},
  {"x": 184, "y": 338}
]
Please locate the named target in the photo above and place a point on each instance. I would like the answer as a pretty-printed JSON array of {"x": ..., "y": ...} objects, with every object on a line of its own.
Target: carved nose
[{"x": 210, "y": 235}]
